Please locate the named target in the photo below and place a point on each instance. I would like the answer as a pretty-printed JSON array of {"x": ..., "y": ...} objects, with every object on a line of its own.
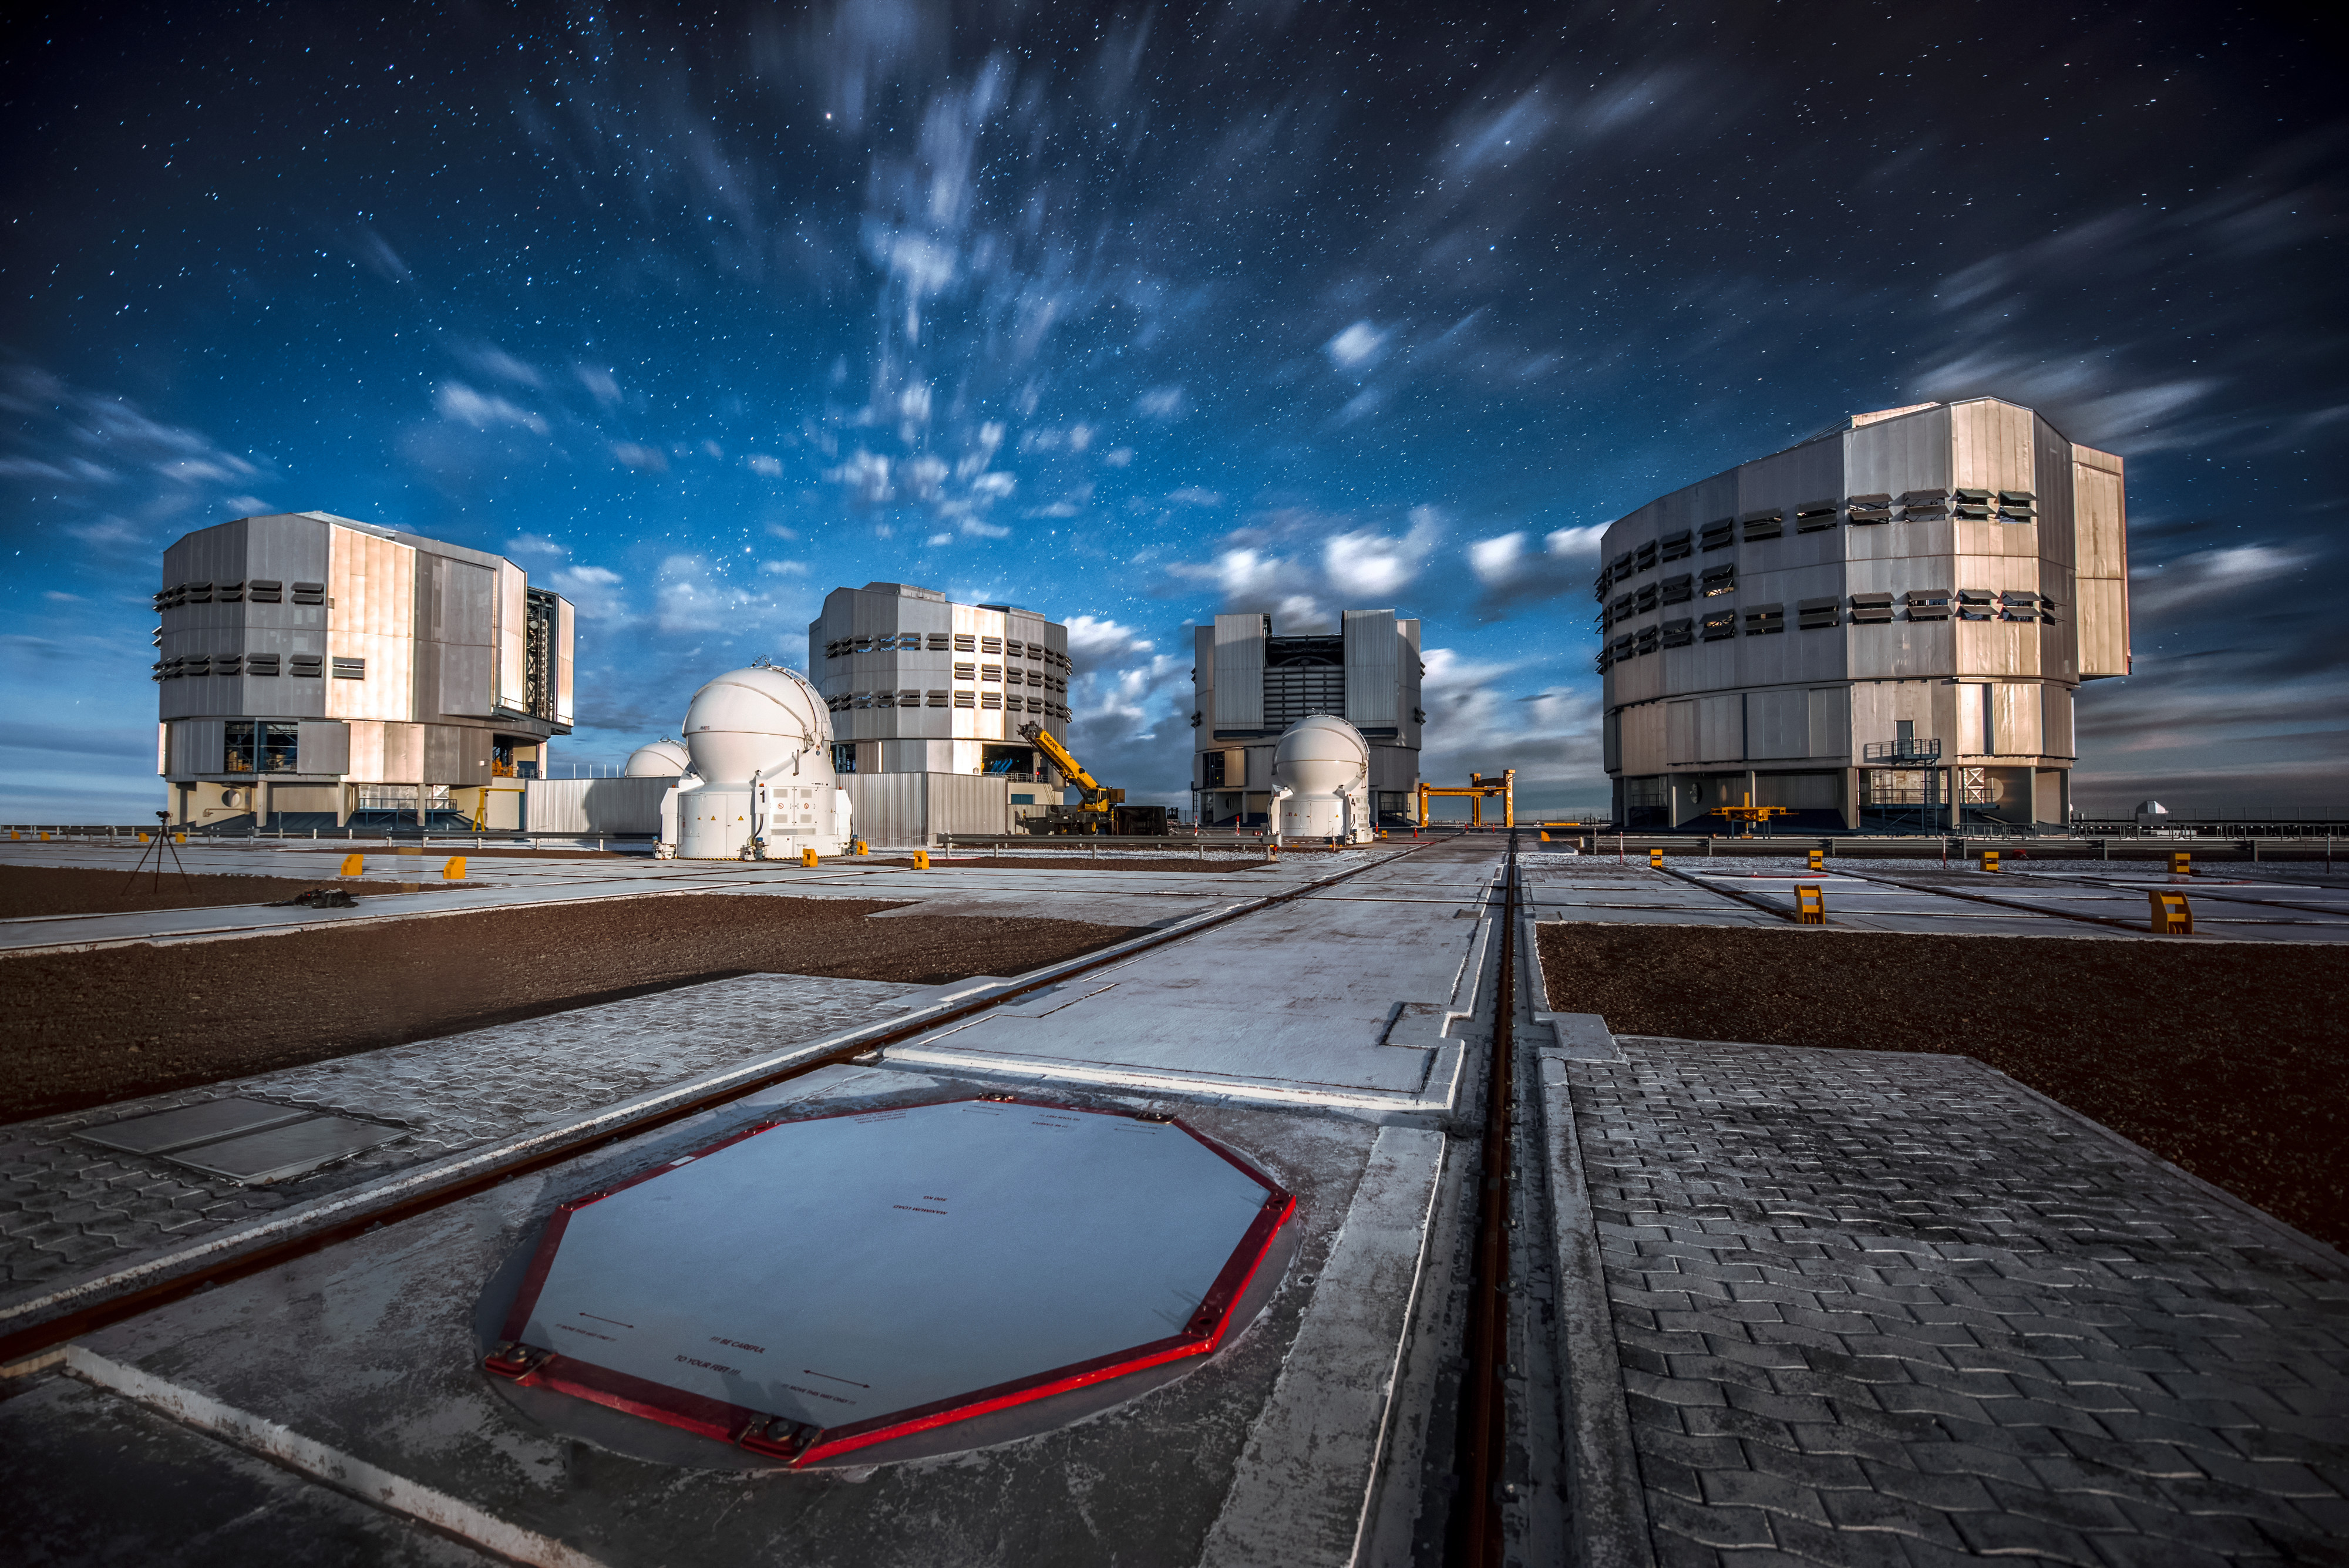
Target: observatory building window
[
  {"x": 1875, "y": 508},
  {"x": 1719, "y": 625},
  {"x": 305, "y": 666},
  {"x": 1678, "y": 590},
  {"x": 1813, "y": 515},
  {"x": 1764, "y": 619},
  {"x": 940, "y": 642},
  {"x": 1647, "y": 599},
  {"x": 965, "y": 673},
  {"x": 990, "y": 645},
  {"x": 965, "y": 642},
  {"x": 1718, "y": 535},
  {"x": 264, "y": 591},
  {"x": 940, "y": 698},
  {"x": 1647, "y": 556},
  {"x": 1719, "y": 580},
  {"x": 990, "y": 699},
  {"x": 309, "y": 593},
  {"x": 1871, "y": 610},
  {"x": 257, "y": 746},
  {"x": 1679, "y": 633},
  {"x": 844, "y": 757},
  {"x": 348, "y": 669},
  {"x": 1818, "y": 614},
  {"x": 1767, "y": 524},
  {"x": 991, "y": 672},
  {"x": 1975, "y": 604},
  {"x": 965, "y": 699},
  {"x": 1675, "y": 546},
  {"x": 1928, "y": 604},
  {"x": 261, "y": 664}
]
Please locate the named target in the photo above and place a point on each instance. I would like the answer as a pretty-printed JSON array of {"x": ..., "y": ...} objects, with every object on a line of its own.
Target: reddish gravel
[
  {"x": 87, "y": 1028},
  {"x": 2226, "y": 1059},
  {"x": 33, "y": 890}
]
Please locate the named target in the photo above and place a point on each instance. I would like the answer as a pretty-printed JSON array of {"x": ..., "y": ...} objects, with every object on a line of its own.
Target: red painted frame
[{"x": 741, "y": 1425}]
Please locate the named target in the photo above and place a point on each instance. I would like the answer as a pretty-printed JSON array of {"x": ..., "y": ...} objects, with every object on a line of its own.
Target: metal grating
[{"x": 247, "y": 1141}]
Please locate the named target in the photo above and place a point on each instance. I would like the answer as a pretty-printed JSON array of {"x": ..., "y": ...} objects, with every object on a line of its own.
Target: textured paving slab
[
  {"x": 1878, "y": 1308},
  {"x": 70, "y": 1209}
]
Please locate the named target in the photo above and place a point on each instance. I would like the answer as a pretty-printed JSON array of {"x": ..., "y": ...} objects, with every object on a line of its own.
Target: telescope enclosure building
[
  {"x": 313, "y": 670},
  {"x": 1882, "y": 628}
]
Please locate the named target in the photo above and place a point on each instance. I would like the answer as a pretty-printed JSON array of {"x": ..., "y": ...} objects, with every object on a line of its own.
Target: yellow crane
[
  {"x": 1093, "y": 816},
  {"x": 1480, "y": 785},
  {"x": 1749, "y": 813}
]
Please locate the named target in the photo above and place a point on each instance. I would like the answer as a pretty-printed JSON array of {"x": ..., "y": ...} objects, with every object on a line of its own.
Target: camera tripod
[{"x": 162, "y": 838}]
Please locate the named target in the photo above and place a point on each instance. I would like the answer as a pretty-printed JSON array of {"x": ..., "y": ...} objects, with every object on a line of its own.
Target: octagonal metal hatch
[{"x": 810, "y": 1287}]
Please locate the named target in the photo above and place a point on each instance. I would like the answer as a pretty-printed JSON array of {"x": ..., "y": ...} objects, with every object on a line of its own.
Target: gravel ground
[
  {"x": 2226, "y": 1059},
  {"x": 36, "y": 890},
  {"x": 84, "y": 1029}
]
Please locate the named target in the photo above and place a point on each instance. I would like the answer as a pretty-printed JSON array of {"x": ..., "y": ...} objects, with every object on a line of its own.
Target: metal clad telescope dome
[
  {"x": 1321, "y": 779},
  {"x": 755, "y": 721},
  {"x": 661, "y": 759},
  {"x": 760, "y": 741}
]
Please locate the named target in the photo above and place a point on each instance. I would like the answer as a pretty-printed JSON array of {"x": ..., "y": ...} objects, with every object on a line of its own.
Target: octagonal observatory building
[{"x": 1879, "y": 628}]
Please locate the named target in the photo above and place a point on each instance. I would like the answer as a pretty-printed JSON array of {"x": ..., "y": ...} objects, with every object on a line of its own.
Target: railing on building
[{"x": 1898, "y": 753}]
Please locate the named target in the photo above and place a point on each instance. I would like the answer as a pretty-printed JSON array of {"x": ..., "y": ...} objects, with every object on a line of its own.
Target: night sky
[{"x": 1134, "y": 316}]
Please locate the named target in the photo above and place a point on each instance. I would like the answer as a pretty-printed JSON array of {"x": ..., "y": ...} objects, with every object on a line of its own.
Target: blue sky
[{"x": 1131, "y": 316}]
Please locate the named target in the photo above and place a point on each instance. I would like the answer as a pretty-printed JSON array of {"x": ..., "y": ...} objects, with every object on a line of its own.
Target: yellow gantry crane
[
  {"x": 1504, "y": 784},
  {"x": 1749, "y": 813}
]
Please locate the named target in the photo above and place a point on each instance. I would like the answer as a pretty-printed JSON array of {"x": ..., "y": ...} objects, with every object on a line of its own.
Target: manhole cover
[{"x": 808, "y": 1288}]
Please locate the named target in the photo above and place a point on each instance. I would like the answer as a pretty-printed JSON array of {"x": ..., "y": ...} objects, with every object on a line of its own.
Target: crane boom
[{"x": 1041, "y": 738}]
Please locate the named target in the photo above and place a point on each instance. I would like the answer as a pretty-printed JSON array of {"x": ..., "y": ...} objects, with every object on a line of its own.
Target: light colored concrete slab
[
  {"x": 1302, "y": 1493},
  {"x": 363, "y": 1360}
]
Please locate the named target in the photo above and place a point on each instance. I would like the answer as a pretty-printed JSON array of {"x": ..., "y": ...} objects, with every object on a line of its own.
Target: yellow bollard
[
  {"x": 807, "y": 858},
  {"x": 921, "y": 859},
  {"x": 1545, "y": 838},
  {"x": 1990, "y": 859},
  {"x": 142, "y": 838},
  {"x": 183, "y": 838},
  {"x": 455, "y": 870},
  {"x": 858, "y": 846},
  {"x": 1818, "y": 859},
  {"x": 44, "y": 838},
  {"x": 2171, "y": 915},
  {"x": 1655, "y": 859},
  {"x": 353, "y": 866},
  {"x": 2181, "y": 864},
  {"x": 1810, "y": 904}
]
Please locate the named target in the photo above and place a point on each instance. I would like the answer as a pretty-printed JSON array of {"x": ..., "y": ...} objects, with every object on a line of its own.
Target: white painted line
[
  {"x": 1303, "y": 1491},
  {"x": 306, "y": 1456}
]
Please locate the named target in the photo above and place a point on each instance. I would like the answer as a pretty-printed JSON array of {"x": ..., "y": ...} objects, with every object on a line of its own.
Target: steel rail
[
  {"x": 560, "y": 1145},
  {"x": 1477, "y": 1534}
]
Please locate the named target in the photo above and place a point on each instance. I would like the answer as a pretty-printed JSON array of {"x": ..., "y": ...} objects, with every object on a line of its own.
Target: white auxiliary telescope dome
[
  {"x": 661, "y": 759},
  {"x": 760, "y": 741},
  {"x": 1321, "y": 782}
]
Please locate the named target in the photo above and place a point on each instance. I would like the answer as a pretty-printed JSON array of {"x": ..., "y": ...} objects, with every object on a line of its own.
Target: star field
[{"x": 1131, "y": 316}]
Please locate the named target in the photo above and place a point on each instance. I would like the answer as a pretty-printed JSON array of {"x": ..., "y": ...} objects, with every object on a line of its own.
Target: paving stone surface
[
  {"x": 69, "y": 1208},
  {"x": 1880, "y": 1308}
]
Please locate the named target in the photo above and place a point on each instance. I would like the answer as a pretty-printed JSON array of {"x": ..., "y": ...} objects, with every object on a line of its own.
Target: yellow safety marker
[
  {"x": 1655, "y": 859},
  {"x": 1545, "y": 838},
  {"x": 2181, "y": 864},
  {"x": 1818, "y": 859},
  {"x": 455, "y": 870},
  {"x": 921, "y": 859},
  {"x": 44, "y": 838},
  {"x": 142, "y": 838},
  {"x": 858, "y": 846},
  {"x": 807, "y": 858},
  {"x": 183, "y": 838},
  {"x": 1990, "y": 859},
  {"x": 1810, "y": 904},
  {"x": 353, "y": 864},
  {"x": 2171, "y": 916}
]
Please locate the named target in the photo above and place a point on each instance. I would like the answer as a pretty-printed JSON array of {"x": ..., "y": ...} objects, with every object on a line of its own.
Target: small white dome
[
  {"x": 2150, "y": 811},
  {"x": 756, "y": 720},
  {"x": 1321, "y": 754},
  {"x": 661, "y": 759}
]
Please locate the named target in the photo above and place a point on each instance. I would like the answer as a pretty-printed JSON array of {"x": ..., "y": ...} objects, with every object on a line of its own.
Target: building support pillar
[
  {"x": 261, "y": 803},
  {"x": 1851, "y": 800}
]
